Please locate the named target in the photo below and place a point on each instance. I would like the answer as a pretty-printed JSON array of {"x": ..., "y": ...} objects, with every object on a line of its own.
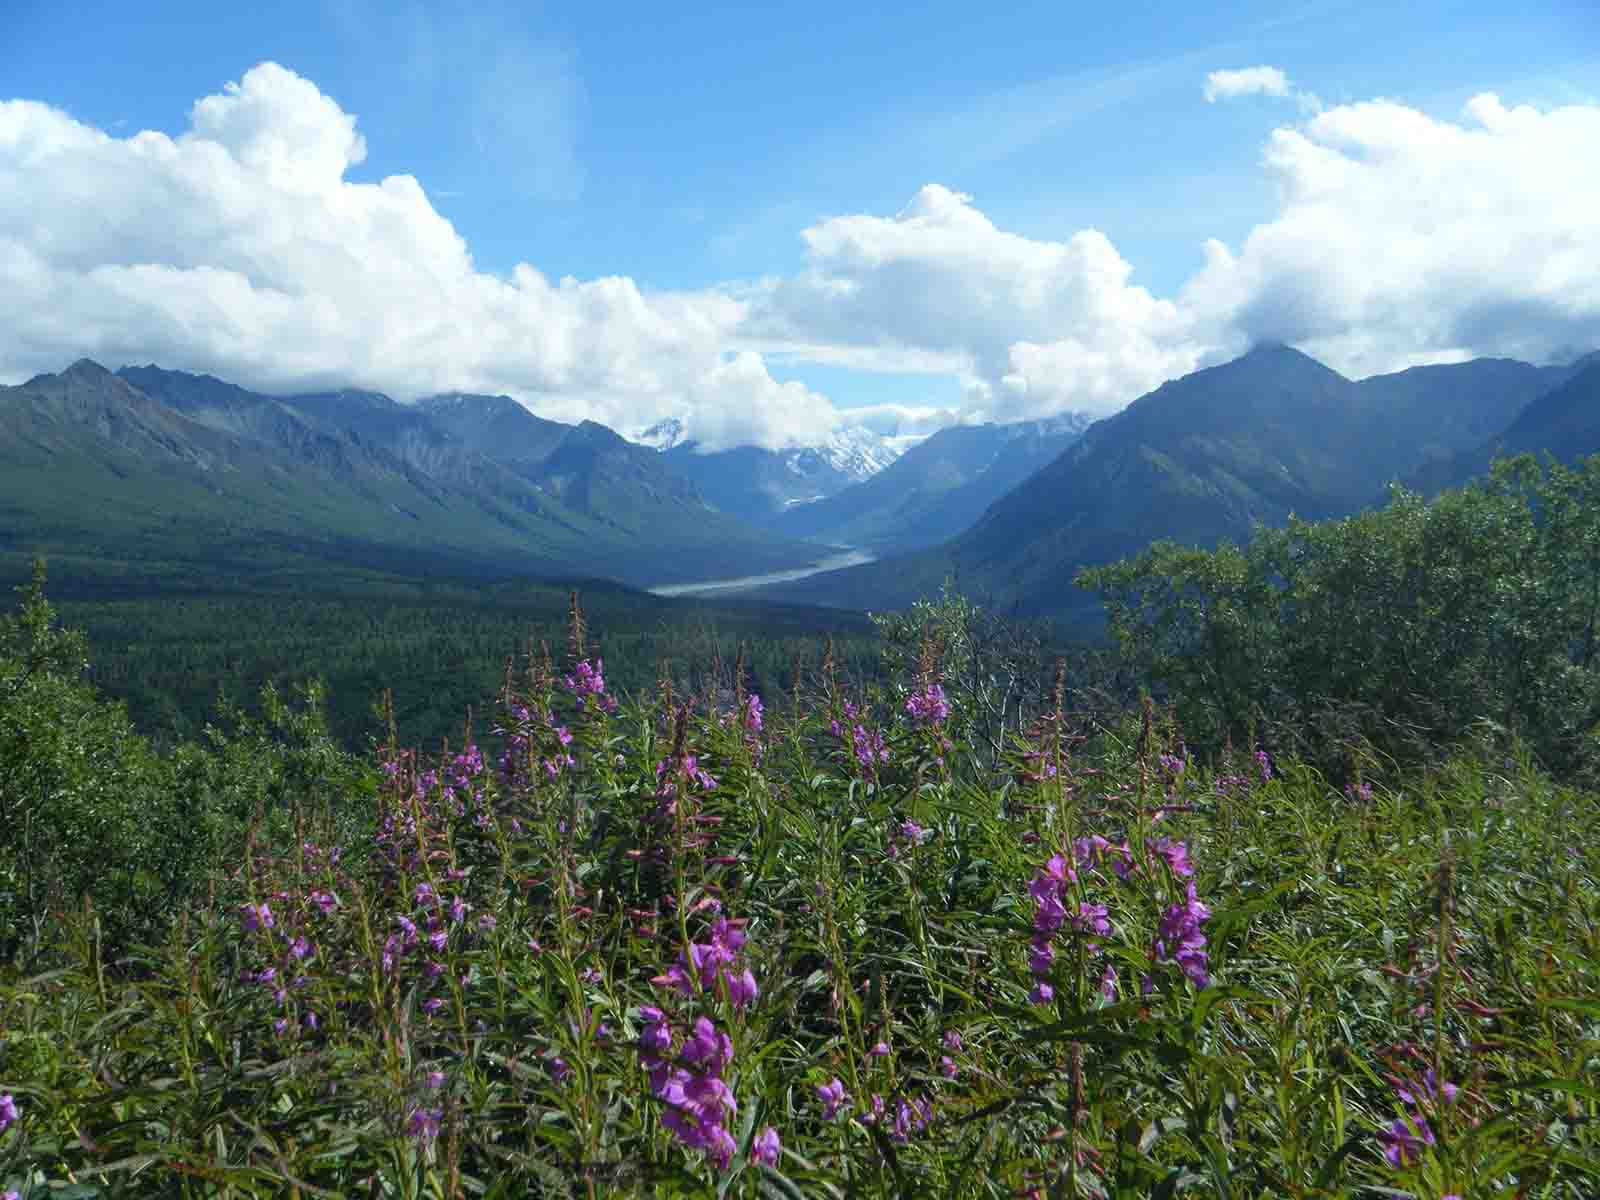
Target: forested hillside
[{"x": 162, "y": 480}]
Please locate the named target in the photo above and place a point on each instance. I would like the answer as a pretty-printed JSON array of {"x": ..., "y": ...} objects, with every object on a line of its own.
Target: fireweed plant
[{"x": 687, "y": 947}]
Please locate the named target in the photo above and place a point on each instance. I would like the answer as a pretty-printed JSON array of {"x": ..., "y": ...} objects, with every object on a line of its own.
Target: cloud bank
[
  {"x": 941, "y": 286},
  {"x": 1402, "y": 238},
  {"x": 243, "y": 247}
]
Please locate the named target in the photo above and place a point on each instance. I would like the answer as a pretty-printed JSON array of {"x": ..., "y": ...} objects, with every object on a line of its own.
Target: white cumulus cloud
[
  {"x": 1247, "y": 81},
  {"x": 939, "y": 284},
  {"x": 241, "y": 247},
  {"x": 1403, "y": 238}
]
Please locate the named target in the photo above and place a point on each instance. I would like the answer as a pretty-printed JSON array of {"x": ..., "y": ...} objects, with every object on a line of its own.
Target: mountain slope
[
  {"x": 936, "y": 489},
  {"x": 630, "y": 514},
  {"x": 759, "y": 485},
  {"x": 1565, "y": 421},
  {"x": 1199, "y": 459},
  {"x": 203, "y": 478},
  {"x": 588, "y": 467}
]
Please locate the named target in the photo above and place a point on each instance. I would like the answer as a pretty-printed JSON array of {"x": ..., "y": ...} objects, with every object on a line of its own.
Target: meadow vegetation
[{"x": 1320, "y": 917}]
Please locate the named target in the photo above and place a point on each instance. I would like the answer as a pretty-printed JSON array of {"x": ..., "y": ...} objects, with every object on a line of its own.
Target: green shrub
[{"x": 1411, "y": 625}]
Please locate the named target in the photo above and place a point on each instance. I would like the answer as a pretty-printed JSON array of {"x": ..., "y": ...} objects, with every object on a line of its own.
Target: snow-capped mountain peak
[
  {"x": 852, "y": 451},
  {"x": 663, "y": 435},
  {"x": 858, "y": 452}
]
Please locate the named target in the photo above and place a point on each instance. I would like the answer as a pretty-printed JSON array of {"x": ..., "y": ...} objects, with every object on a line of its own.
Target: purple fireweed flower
[
  {"x": 656, "y": 1036},
  {"x": 1088, "y": 851},
  {"x": 869, "y": 747},
  {"x": 697, "y": 1105},
  {"x": 432, "y": 1005},
  {"x": 300, "y": 948},
  {"x": 1049, "y": 912},
  {"x": 676, "y": 978},
  {"x": 438, "y": 939},
  {"x": 752, "y": 713},
  {"x": 1180, "y": 938},
  {"x": 1091, "y": 918},
  {"x": 423, "y": 1124},
  {"x": 1264, "y": 765},
  {"x": 727, "y": 938},
  {"x": 326, "y": 901},
  {"x": 256, "y": 916},
  {"x": 908, "y": 832},
  {"x": 1403, "y": 1139},
  {"x": 947, "y": 1066},
  {"x": 1176, "y": 854},
  {"x": 1122, "y": 860},
  {"x": 833, "y": 1098},
  {"x": 424, "y": 895},
  {"x": 693, "y": 771},
  {"x": 1042, "y": 993},
  {"x": 8, "y": 1111},
  {"x": 952, "y": 1041},
  {"x": 766, "y": 1147},
  {"x": 588, "y": 681},
  {"x": 928, "y": 706},
  {"x": 910, "y": 1116},
  {"x": 1426, "y": 1090},
  {"x": 487, "y": 922},
  {"x": 708, "y": 1048},
  {"x": 1108, "y": 984},
  {"x": 879, "y": 1050},
  {"x": 433, "y": 1080},
  {"x": 1405, "y": 1136},
  {"x": 702, "y": 1133},
  {"x": 1041, "y": 956},
  {"x": 1058, "y": 871},
  {"x": 702, "y": 964},
  {"x": 742, "y": 989}
]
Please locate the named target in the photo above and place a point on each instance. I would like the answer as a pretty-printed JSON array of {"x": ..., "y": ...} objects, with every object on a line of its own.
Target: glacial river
[{"x": 745, "y": 583}]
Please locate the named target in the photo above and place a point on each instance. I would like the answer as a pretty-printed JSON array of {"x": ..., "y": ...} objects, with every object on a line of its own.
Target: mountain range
[
  {"x": 148, "y": 473},
  {"x": 762, "y": 485},
  {"x": 936, "y": 488},
  {"x": 1207, "y": 456}
]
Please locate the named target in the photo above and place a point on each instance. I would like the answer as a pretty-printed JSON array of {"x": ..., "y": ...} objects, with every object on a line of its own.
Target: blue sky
[{"x": 687, "y": 148}]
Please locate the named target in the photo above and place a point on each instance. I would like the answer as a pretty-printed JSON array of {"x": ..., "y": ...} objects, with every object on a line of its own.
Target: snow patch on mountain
[
  {"x": 852, "y": 451},
  {"x": 857, "y": 452}
]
